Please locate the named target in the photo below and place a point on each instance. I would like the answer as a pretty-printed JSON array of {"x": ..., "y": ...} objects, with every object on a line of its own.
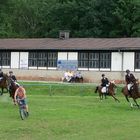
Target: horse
[
  {"x": 12, "y": 88},
  {"x": 73, "y": 80},
  {"x": 111, "y": 91},
  {"x": 77, "y": 79},
  {"x": 135, "y": 94},
  {"x": 4, "y": 83}
]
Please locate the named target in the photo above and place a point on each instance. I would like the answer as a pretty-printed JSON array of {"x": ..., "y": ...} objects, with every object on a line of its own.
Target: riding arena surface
[{"x": 65, "y": 111}]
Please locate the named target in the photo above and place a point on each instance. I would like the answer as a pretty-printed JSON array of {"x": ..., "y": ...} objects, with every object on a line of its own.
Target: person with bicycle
[{"x": 20, "y": 95}]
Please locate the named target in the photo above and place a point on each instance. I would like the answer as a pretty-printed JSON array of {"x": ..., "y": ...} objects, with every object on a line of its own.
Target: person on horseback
[
  {"x": 130, "y": 81},
  {"x": 20, "y": 94},
  {"x": 104, "y": 83},
  {"x": 1, "y": 74},
  {"x": 12, "y": 76}
]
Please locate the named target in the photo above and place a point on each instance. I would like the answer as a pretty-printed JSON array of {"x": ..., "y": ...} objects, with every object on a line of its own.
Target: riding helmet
[
  {"x": 127, "y": 71},
  {"x": 10, "y": 71},
  {"x": 103, "y": 75}
]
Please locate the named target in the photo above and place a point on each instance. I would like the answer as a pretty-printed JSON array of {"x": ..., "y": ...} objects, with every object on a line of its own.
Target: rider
[
  {"x": 12, "y": 76},
  {"x": 130, "y": 80},
  {"x": 20, "y": 94},
  {"x": 104, "y": 83},
  {"x": 1, "y": 74},
  {"x": 14, "y": 79}
]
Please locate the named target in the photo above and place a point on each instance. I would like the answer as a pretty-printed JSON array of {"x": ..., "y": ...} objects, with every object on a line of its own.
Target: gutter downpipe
[{"x": 122, "y": 73}]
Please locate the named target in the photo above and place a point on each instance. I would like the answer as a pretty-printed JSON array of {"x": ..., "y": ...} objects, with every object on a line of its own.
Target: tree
[{"x": 127, "y": 15}]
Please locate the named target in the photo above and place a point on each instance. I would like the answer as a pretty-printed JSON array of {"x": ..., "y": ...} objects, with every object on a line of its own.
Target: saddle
[{"x": 104, "y": 90}]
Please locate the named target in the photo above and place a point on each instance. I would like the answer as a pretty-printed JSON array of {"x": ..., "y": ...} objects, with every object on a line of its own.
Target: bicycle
[{"x": 22, "y": 109}]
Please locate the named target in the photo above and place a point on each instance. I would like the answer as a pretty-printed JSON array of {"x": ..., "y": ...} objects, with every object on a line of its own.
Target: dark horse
[
  {"x": 74, "y": 80},
  {"x": 135, "y": 94},
  {"x": 12, "y": 88},
  {"x": 4, "y": 83},
  {"x": 111, "y": 91},
  {"x": 77, "y": 79}
]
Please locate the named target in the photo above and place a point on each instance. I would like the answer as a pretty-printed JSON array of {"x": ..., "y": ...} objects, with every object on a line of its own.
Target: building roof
[{"x": 118, "y": 44}]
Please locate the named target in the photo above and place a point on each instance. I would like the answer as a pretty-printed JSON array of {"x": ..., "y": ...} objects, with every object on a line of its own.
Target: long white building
[{"x": 37, "y": 59}]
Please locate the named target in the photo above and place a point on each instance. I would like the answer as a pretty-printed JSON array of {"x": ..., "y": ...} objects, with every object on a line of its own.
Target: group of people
[
  {"x": 20, "y": 93},
  {"x": 130, "y": 80},
  {"x": 70, "y": 76}
]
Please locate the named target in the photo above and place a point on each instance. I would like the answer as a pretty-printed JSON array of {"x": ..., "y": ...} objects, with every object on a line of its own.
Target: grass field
[{"x": 69, "y": 112}]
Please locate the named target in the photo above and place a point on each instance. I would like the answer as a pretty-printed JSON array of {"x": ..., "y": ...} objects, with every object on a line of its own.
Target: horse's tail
[{"x": 96, "y": 89}]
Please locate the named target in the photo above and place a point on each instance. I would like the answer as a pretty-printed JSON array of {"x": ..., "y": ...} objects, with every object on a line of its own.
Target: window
[
  {"x": 32, "y": 59},
  {"x": 52, "y": 59},
  {"x": 42, "y": 59},
  {"x": 137, "y": 60},
  {"x": 105, "y": 60},
  {"x": 94, "y": 60},
  {"x": 5, "y": 58},
  {"x": 83, "y": 60}
]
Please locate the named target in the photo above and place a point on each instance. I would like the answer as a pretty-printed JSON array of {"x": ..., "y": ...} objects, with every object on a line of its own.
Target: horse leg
[
  {"x": 2, "y": 91},
  {"x": 96, "y": 89},
  {"x": 127, "y": 98},
  {"x": 7, "y": 89},
  {"x": 131, "y": 104},
  {"x": 101, "y": 96},
  {"x": 115, "y": 98},
  {"x": 105, "y": 94},
  {"x": 136, "y": 103}
]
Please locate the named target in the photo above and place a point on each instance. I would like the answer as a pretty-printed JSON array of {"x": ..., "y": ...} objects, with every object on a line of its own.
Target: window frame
[
  {"x": 99, "y": 60},
  {"x": 137, "y": 60},
  {"x": 5, "y": 58},
  {"x": 42, "y": 59}
]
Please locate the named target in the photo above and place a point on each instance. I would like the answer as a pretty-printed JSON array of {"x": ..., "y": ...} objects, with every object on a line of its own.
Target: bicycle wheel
[{"x": 23, "y": 114}]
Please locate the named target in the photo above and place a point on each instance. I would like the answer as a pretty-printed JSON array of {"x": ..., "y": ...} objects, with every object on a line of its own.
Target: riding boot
[{"x": 107, "y": 91}]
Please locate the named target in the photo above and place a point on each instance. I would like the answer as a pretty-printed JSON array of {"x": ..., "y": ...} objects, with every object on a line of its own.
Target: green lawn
[{"x": 69, "y": 112}]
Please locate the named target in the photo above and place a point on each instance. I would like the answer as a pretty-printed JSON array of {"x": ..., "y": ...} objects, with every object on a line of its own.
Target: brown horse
[
  {"x": 12, "y": 88},
  {"x": 111, "y": 91},
  {"x": 4, "y": 83},
  {"x": 135, "y": 94},
  {"x": 77, "y": 79}
]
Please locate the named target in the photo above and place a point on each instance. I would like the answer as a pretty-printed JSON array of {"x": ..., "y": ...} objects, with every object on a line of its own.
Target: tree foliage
[{"x": 84, "y": 18}]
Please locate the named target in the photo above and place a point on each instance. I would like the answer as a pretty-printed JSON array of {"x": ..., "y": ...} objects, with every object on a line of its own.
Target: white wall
[
  {"x": 72, "y": 56},
  {"x": 62, "y": 56},
  {"x": 67, "y": 56},
  {"x": 14, "y": 59},
  {"x": 23, "y": 60},
  {"x": 116, "y": 61},
  {"x": 128, "y": 61}
]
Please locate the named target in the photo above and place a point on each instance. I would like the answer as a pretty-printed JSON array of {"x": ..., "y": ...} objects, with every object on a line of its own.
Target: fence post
[{"x": 50, "y": 88}]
